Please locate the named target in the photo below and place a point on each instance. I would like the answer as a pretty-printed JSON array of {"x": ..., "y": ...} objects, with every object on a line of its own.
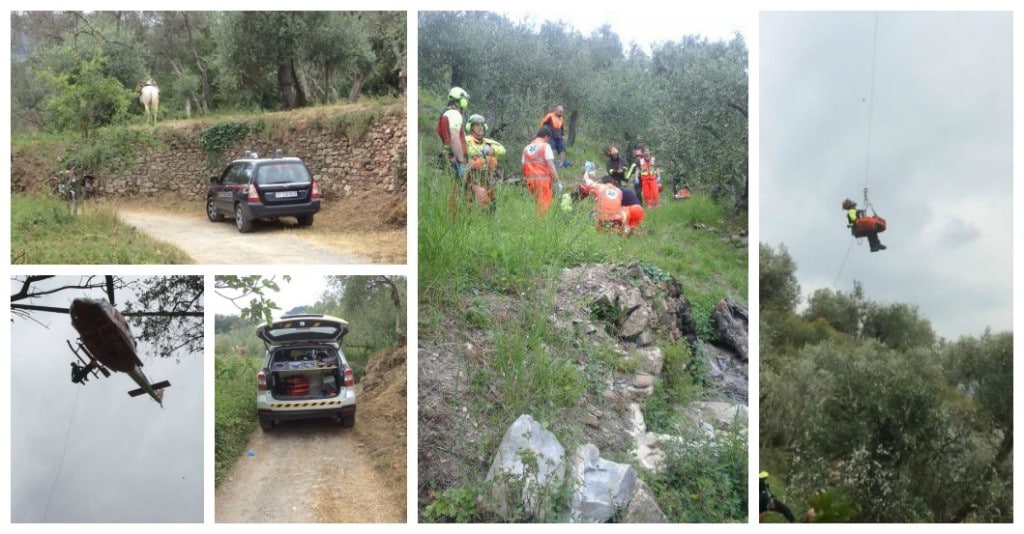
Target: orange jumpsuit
[{"x": 536, "y": 156}]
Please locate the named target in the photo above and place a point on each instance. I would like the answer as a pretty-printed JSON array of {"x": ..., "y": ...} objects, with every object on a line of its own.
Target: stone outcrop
[{"x": 730, "y": 321}]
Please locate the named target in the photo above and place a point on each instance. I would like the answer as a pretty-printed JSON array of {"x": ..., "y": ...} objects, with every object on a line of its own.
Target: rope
[
  {"x": 67, "y": 434},
  {"x": 871, "y": 105}
]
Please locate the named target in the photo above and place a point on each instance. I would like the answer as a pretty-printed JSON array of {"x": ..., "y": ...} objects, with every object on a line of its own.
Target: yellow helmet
[{"x": 762, "y": 475}]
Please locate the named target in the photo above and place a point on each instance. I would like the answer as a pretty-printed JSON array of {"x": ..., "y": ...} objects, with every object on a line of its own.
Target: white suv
[{"x": 305, "y": 374}]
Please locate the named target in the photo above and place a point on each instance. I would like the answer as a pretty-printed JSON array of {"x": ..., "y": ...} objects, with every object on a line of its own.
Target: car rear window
[{"x": 282, "y": 173}]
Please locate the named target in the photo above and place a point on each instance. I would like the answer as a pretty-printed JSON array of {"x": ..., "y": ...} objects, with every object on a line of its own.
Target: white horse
[{"x": 150, "y": 99}]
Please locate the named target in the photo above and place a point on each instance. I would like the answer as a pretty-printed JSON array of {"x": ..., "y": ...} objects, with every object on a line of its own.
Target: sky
[
  {"x": 933, "y": 145},
  {"x": 649, "y": 26},
  {"x": 302, "y": 290},
  {"x": 91, "y": 453}
]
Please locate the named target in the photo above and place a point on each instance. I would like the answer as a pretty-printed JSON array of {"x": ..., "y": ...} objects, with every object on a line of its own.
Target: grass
[
  {"x": 510, "y": 250},
  {"x": 235, "y": 413},
  {"x": 46, "y": 230},
  {"x": 510, "y": 254}
]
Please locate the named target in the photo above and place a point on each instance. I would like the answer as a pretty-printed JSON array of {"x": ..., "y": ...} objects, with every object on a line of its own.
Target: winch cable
[
  {"x": 67, "y": 434},
  {"x": 867, "y": 150}
]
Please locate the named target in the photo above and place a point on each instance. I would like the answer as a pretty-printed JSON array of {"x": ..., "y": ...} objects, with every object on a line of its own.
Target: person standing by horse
[{"x": 149, "y": 97}]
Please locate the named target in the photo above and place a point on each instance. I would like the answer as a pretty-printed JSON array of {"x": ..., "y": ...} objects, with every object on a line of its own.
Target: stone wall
[{"x": 372, "y": 164}]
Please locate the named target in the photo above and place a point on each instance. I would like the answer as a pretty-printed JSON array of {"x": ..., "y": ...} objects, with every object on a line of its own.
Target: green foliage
[
  {"x": 703, "y": 481},
  {"x": 88, "y": 100},
  {"x": 374, "y": 307},
  {"x": 179, "y": 329},
  {"x": 46, "y": 231},
  {"x": 219, "y": 137},
  {"x": 235, "y": 409},
  {"x": 687, "y": 99},
  {"x": 453, "y": 505},
  {"x": 353, "y": 126},
  {"x": 683, "y": 378},
  {"x": 257, "y": 289},
  {"x": 777, "y": 279},
  {"x": 204, "y": 62},
  {"x": 841, "y": 311},
  {"x": 527, "y": 375},
  {"x": 226, "y": 323},
  {"x": 111, "y": 150}
]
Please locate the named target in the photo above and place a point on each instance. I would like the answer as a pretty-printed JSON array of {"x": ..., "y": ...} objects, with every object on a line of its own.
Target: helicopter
[
  {"x": 105, "y": 340},
  {"x": 106, "y": 343}
]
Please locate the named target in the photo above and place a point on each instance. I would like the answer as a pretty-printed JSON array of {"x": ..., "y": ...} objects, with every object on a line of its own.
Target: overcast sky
[
  {"x": 937, "y": 161},
  {"x": 120, "y": 459},
  {"x": 649, "y": 26},
  {"x": 302, "y": 290}
]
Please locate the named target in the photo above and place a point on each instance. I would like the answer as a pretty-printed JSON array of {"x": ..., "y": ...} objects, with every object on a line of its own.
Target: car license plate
[{"x": 287, "y": 194}]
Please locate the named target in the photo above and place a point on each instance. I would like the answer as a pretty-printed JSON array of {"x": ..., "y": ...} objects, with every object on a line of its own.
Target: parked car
[
  {"x": 305, "y": 374},
  {"x": 253, "y": 188}
]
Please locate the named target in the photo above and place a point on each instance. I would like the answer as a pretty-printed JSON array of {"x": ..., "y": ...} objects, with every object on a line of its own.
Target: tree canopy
[
  {"x": 686, "y": 99},
  {"x": 863, "y": 407},
  {"x": 81, "y": 71}
]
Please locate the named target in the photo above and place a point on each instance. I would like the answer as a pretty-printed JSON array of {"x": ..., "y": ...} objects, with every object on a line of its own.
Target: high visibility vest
[
  {"x": 647, "y": 168},
  {"x": 534, "y": 163},
  {"x": 851, "y": 215},
  {"x": 556, "y": 121},
  {"x": 609, "y": 203}
]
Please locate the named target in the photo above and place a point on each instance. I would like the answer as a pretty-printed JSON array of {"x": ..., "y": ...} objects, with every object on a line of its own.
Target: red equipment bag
[{"x": 867, "y": 225}]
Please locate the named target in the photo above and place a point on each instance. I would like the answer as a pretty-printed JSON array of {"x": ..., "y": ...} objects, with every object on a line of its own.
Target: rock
[
  {"x": 602, "y": 487},
  {"x": 719, "y": 415},
  {"x": 635, "y": 323},
  {"x": 630, "y": 300},
  {"x": 651, "y": 360},
  {"x": 643, "y": 508},
  {"x": 643, "y": 381},
  {"x": 645, "y": 339},
  {"x": 730, "y": 322},
  {"x": 529, "y": 463}
]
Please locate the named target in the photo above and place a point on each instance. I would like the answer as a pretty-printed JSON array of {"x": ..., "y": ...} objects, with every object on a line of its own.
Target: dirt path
[
  {"x": 221, "y": 243},
  {"x": 306, "y": 472}
]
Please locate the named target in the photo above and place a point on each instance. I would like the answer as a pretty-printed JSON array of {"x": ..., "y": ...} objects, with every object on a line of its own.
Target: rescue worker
[
  {"x": 483, "y": 154},
  {"x": 683, "y": 193},
  {"x": 449, "y": 129},
  {"x": 539, "y": 169},
  {"x": 614, "y": 205},
  {"x": 615, "y": 169},
  {"x": 768, "y": 503},
  {"x": 852, "y": 214},
  {"x": 555, "y": 122},
  {"x": 650, "y": 179},
  {"x": 633, "y": 174}
]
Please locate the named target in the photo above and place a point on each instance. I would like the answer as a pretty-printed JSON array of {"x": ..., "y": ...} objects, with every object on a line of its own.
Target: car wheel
[
  {"x": 305, "y": 220},
  {"x": 348, "y": 421},
  {"x": 211, "y": 211},
  {"x": 266, "y": 423},
  {"x": 244, "y": 225}
]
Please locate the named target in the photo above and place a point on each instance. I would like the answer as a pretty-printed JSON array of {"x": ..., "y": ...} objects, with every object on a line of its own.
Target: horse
[{"x": 149, "y": 97}]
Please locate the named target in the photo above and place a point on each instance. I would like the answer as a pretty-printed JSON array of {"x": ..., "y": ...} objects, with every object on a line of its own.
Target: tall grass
[
  {"x": 46, "y": 230},
  {"x": 509, "y": 250},
  {"x": 235, "y": 412}
]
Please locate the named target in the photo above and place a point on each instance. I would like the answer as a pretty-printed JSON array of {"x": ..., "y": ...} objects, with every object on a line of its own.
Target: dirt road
[
  {"x": 220, "y": 243},
  {"x": 306, "y": 472}
]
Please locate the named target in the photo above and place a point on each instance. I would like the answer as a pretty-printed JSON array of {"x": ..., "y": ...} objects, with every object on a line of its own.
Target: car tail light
[
  {"x": 350, "y": 378},
  {"x": 254, "y": 195},
  {"x": 261, "y": 381},
  {"x": 316, "y": 190}
]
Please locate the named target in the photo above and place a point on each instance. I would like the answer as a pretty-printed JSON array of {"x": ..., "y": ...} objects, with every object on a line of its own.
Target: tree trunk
[
  {"x": 357, "y": 86},
  {"x": 570, "y": 132},
  {"x": 204, "y": 77},
  {"x": 285, "y": 87},
  {"x": 300, "y": 94}
]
